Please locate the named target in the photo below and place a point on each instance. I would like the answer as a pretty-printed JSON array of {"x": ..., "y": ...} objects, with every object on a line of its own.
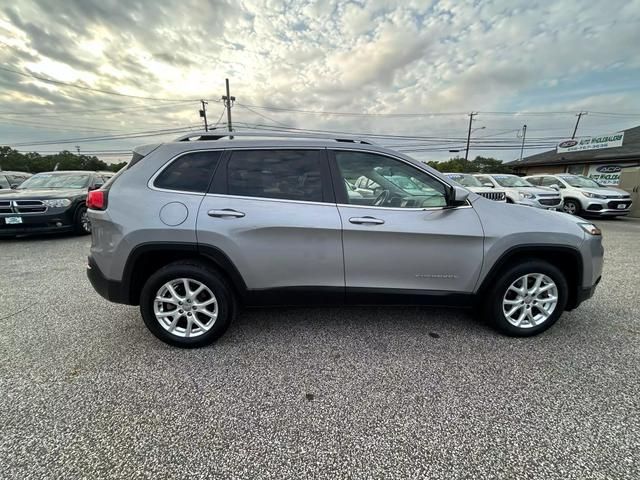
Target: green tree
[
  {"x": 33, "y": 162},
  {"x": 477, "y": 165}
]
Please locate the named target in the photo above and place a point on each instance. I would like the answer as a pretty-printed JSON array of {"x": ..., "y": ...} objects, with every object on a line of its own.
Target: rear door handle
[
  {"x": 225, "y": 213},
  {"x": 366, "y": 221}
]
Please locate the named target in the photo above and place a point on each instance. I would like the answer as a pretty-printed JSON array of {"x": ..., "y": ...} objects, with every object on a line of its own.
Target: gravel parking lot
[{"x": 88, "y": 392}]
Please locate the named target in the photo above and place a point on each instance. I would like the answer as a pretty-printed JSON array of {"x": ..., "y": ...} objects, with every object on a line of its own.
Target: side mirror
[
  {"x": 487, "y": 184},
  {"x": 459, "y": 195},
  {"x": 96, "y": 186},
  {"x": 556, "y": 187}
]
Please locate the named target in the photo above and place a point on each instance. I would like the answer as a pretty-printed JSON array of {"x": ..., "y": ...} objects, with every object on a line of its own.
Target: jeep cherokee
[{"x": 192, "y": 229}]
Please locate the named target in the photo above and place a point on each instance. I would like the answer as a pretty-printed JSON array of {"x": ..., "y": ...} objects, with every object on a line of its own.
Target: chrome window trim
[{"x": 281, "y": 200}]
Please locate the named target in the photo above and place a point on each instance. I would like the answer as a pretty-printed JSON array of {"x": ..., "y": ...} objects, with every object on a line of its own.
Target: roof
[{"x": 630, "y": 150}]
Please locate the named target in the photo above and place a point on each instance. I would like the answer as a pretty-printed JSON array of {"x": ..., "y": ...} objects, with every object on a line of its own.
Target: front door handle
[
  {"x": 225, "y": 213},
  {"x": 366, "y": 221}
]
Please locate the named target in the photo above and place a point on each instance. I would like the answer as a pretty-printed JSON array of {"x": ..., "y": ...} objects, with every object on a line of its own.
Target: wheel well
[
  {"x": 147, "y": 262},
  {"x": 566, "y": 259}
]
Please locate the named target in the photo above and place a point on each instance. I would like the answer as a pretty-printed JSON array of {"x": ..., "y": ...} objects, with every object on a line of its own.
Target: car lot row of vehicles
[
  {"x": 49, "y": 202},
  {"x": 573, "y": 194}
]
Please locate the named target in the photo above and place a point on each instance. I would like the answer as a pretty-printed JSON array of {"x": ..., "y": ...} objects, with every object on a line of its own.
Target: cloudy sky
[{"x": 414, "y": 68}]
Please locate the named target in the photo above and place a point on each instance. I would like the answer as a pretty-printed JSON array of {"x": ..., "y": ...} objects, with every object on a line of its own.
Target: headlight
[
  {"x": 57, "y": 202},
  {"x": 526, "y": 195},
  {"x": 590, "y": 228},
  {"x": 592, "y": 195}
]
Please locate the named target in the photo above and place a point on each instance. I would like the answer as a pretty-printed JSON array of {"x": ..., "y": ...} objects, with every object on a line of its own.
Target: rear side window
[
  {"x": 190, "y": 173},
  {"x": 282, "y": 174}
]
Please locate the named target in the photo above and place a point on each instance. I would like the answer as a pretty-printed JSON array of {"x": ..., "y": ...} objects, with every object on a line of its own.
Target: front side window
[
  {"x": 189, "y": 173},
  {"x": 534, "y": 180},
  {"x": 4, "y": 183},
  {"x": 387, "y": 182},
  {"x": 550, "y": 181},
  {"x": 281, "y": 174}
]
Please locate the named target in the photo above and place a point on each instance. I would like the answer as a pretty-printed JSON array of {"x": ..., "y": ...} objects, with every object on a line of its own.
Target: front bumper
[
  {"x": 607, "y": 208},
  {"x": 37, "y": 223},
  {"x": 108, "y": 289}
]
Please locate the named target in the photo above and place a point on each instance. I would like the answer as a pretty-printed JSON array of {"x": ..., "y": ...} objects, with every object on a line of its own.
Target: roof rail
[{"x": 214, "y": 134}]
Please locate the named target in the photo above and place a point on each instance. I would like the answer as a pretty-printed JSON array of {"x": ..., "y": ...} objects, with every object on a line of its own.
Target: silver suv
[
  {"x": 522, "y": 192},
  {"x": 584, "y": 196},
  {"x": 191, "y": 230}
]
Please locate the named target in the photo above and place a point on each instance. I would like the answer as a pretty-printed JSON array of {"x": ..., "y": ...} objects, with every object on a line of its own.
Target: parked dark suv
[
  {"x": 50, "y": 202},
  {"x": 192, "y": 229}
]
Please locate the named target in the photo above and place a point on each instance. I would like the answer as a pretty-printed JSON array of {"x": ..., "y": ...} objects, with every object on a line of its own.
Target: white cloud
[{"x": 366, "y": 56}]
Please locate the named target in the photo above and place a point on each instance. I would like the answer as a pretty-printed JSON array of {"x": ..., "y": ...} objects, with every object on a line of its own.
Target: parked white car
[
  {"x": 470, "y": 182},
  {"x": 584, "y": 196},
  {"x": 522, "y": 192}
]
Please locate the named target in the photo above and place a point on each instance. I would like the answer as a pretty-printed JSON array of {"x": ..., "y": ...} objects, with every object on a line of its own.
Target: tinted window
[
  {"x": 285, "y": 174},
  {"x": 190, "y": 173},
  {"x": 385, "y": 182}
]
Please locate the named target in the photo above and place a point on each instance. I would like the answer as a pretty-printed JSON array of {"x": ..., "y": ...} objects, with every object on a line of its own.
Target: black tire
[
  {"x": 494, "y": 313},
  {"x": 201, "y": 273},
  {"x": 573, "y": 208},
  {"x": 81, "y": 224}
]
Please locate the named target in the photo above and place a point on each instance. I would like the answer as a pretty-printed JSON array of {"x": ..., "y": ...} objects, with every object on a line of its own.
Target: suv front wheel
[
  {"x": 527, "y": 298},
  {"x": 187, "y": 305}
]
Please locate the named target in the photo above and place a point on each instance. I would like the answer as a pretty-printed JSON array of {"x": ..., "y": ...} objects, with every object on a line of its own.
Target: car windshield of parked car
[
  {"x": 465, "y": 179},
  {"x": 4, "y": 183},
  {"x": 56, "y": 180},
  {"x": 580, "y": 182},
  {"x": 511, "y": 181}
]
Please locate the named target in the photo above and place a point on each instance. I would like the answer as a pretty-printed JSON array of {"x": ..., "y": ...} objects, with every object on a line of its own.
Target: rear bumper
[{"x": 111, "y": 290}]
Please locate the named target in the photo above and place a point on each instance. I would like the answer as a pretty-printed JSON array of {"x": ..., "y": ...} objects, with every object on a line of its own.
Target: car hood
[
  {"x": 608, "y": 191},
  {"x": 44, "y": 193},
  {"x": 535, "y": 190}
]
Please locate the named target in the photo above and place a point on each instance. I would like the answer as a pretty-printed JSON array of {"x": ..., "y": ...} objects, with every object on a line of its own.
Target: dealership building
[{"x": 602, "y": 158}]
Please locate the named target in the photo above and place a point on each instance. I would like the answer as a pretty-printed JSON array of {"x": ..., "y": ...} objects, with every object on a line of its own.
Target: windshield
[
  {"x": 464, "y": 179},
  {"x": 580, "y": 182},
  {"x": 56, "y": 180},
  {"x": 511, "y": 181}
]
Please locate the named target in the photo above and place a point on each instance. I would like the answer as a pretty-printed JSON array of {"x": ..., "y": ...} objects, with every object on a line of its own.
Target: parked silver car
[
  {"x": 192, "y": 229},
  {"x": 583, "y": 196},
  {"x": 470, "y": 182},
  {"x": 522, "y": 192}
]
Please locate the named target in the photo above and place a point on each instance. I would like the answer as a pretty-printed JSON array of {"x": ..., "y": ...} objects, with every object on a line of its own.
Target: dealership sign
[
  {"x": 591, "y": 143},
  {"x": 605, "y": 174}
]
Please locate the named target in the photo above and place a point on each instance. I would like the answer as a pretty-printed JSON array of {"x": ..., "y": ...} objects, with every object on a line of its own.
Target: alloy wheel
[
  {"x": 185, "y": 307},
  {"x": 530, "y": 300},
  {"x": 570, "y": 207}
]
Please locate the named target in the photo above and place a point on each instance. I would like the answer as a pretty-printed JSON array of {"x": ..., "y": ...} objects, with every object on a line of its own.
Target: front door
[
  {"x": 272, "y": 212},
  {"x": 398, "y": 234}
]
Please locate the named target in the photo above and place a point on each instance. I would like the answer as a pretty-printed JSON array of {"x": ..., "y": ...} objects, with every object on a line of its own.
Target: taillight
[{"x": 97, "y": 200}]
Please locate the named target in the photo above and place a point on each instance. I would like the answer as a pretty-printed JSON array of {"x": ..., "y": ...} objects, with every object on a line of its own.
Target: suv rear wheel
[
  {"x": 187, "y": 305},
  {"x": 527, "y": 298}
]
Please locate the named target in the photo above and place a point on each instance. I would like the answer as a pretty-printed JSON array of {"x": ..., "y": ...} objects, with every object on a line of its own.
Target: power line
[
  {"x": 92, "y": 110},
  {"x": 98, "y": 90}
]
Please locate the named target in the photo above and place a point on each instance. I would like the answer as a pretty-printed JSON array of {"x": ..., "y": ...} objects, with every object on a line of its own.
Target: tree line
[
  {"x": 477, "y": 165},
  {"x": 33, "y": 162}
]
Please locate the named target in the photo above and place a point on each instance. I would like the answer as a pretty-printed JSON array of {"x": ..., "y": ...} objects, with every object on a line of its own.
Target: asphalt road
[{"x": 88, "y": 392}]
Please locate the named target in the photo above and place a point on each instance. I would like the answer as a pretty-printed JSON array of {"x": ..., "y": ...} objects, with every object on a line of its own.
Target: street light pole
[{"x": 524, "y": 135}]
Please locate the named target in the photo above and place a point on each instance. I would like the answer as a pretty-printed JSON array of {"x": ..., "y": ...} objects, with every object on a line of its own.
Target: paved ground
[{"x": 87, "y": 392}]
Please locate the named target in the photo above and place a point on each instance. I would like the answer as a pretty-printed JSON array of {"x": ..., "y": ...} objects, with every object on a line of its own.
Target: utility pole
[
  {"x": 579, "y": 115},
  {"x": 466, "y": 152},
  {"x": 78, "y": 149},
  {"x": 203, "y": 114},
  {"x": 228, "y": 103},
  {"x": 524, "y": 135}
]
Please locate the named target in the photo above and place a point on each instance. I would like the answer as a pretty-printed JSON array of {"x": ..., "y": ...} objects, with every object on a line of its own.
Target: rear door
[
  {"x": 273, "y": 213},
  {"x": 403, "y": 237}
]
